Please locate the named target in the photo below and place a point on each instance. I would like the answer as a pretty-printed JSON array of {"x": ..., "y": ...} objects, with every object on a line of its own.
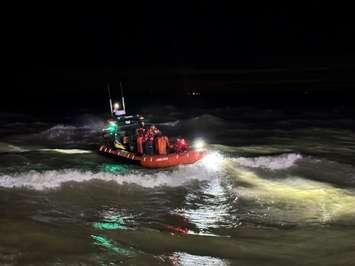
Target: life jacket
[
  {"x": 161, "y": 143},
  {"x": 140, "y": 144}
]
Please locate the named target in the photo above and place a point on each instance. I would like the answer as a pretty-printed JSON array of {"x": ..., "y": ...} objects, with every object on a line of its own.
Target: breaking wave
[
  {"x": 282, "y": 161},
  {"x": 68, "y": 134},
  {"x": 55, "y": 178},
  {"x": 67, "y": 151},
  {"x": 59, "y": 131}
]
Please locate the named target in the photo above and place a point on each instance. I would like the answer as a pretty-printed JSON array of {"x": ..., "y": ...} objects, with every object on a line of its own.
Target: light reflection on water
[
  {"x": 185, "y": 259},
  {"x": 210, "y": 209},
  {"x": 111, "y": 245},
  {"x": 293, "y": 199}
]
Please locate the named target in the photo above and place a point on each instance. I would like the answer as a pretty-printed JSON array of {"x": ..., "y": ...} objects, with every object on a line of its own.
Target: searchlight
[
  {"x": 199, "y": 144},
  {"x": 116, "y": 106}
]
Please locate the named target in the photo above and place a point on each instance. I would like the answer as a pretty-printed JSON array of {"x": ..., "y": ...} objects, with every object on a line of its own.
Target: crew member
[
  {"x": 140, "y": 129},
  {"x": 151, "y": 132},
  {"x": 148, "y": 146},
  {"x": 155, "y": 130},
  {"x": 139, "y": 142},
  {"x": 181, "y": 145},
  {"x": 161, "y": 144}
]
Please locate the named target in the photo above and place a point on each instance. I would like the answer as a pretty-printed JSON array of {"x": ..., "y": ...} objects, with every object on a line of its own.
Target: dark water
[{"x": 277, "y": 188}]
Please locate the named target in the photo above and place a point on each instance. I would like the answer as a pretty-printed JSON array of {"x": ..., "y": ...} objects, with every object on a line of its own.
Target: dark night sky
[{"x": 166, "y": 45}]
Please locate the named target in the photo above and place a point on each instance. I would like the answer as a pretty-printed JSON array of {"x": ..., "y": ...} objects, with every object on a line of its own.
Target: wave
[
  {"x": 68, "y": 134},
  {"x": 55, "y": 178},
  {"x": 59, "y": 131},
  {"x": 6, "y": 147},
  {"x": 9, "y": 148},
  {"x": 91, "y": 121},
  {"x": 205, "y": 120},
  {"x": 279, "y": 162},
  {"x": 67, "y": 151}
]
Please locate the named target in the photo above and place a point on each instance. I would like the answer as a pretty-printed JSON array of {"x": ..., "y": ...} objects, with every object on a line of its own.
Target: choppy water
[{"x": 271, "y": 192}]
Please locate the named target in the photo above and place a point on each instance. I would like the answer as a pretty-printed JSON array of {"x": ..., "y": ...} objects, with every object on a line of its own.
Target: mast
[
  {"x": 123, "y": 103},
  {"x": 109, "y": 96}
]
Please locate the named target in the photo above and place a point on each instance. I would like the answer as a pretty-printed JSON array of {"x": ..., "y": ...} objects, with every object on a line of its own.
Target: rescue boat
[
  {"x": 156, "y": 161},
  {"x": 127, "y": 123}
]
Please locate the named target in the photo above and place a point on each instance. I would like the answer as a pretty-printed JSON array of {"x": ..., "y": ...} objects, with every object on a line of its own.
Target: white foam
[
  {"x": 59, "y": 131},
  {"x": 54, "y": 178},
  {"x": 189, "y": 259},
  {"x": 67, "y": 151},
  {"x": 279, "y": 162}
]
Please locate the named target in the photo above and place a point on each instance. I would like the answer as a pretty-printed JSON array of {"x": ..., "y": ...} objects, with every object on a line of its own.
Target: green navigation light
[{"x": 112, "y": 128}]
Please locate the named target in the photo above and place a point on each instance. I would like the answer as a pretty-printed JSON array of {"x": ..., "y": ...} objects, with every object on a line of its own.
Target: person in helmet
[
  {"x": 154, "y": 130},
  {"x": 140, "y": 143},
  {"x": 140, "y": 132},
  {"x": 181, "y": 145},
  {"x": 148, "y": 141},
  {"x": 140, "y": 129}
]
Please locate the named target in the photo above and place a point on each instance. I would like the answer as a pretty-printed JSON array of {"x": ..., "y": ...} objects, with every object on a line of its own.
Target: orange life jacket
[
  {"x": 140, "y": 144},
  {"x": 161, "y": 144}
]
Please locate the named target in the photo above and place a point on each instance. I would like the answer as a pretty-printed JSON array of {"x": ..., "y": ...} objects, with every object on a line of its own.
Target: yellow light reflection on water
[{"x": 298, "y": 198}]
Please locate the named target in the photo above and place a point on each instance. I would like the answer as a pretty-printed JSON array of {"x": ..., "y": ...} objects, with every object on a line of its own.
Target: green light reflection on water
[
  {"x": 104, "y": 242},
  {"x": 107, "y": 226},
  {"x": 113, "y": 168},
  {"x": 113, "y": 223}
]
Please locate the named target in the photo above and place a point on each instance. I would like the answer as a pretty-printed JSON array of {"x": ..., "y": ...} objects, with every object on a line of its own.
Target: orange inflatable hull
[{"x": 157, "y": 161}]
